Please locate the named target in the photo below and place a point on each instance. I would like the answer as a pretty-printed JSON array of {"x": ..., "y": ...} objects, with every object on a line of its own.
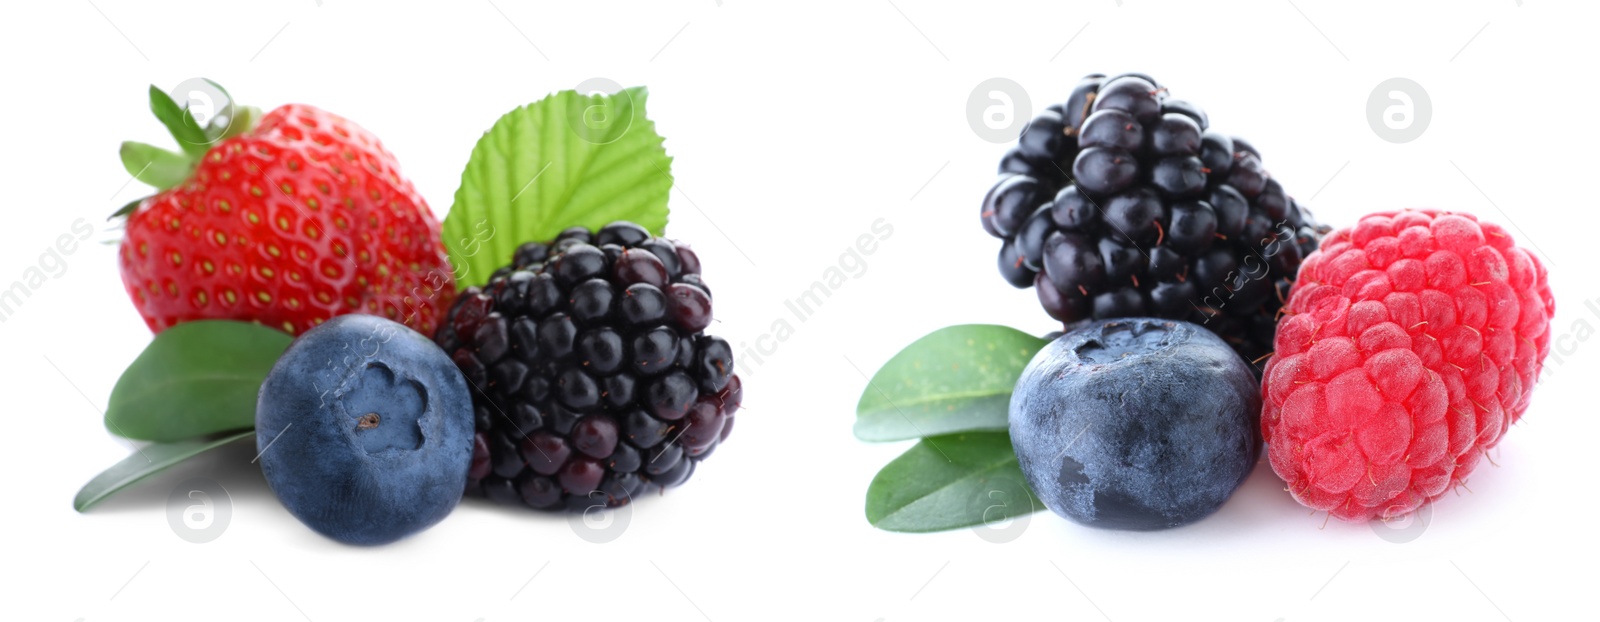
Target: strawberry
[{"x": 287, "y": 222}]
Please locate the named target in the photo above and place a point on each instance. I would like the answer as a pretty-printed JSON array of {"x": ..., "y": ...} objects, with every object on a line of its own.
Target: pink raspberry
[{"x": 1411, "y": 344}]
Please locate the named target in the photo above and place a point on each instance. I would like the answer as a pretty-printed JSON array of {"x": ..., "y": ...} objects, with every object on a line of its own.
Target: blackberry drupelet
[
  {"x": 1121, "y": 202},
  {"x": 593, "y": 381}
]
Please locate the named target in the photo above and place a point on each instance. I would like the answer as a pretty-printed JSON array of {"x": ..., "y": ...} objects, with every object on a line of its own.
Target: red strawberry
[{"x": 288, "y": 223}]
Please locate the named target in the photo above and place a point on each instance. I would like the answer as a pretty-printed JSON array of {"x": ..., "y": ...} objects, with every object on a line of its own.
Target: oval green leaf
[
  {"x": 950, "y": 482},
  {"x": 566, "y": 160},
  {"x": 194, "y": 379},
  {"x": 155, "y": 166},
  {"x": 148, "y": 460},
  {"x": 191, "y": 137},
  {"x": 956, "y": 379}
]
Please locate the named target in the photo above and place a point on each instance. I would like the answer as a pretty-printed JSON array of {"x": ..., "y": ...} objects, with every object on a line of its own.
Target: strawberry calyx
[{"x": 163, "y": 168}]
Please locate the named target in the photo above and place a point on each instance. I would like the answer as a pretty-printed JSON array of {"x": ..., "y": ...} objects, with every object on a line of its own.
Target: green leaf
[
  {"x": 191, "y": 137},
  {"x": 155, "y": 166},
  {"x": 194, "y": 379},
  {"x": 949, "y": 482},
  {"x": 566, "y": 160},
  {"x": 126, "y": 209},
  {"x": 147, "y": 461},
  {"x": 955, "y": 379}
]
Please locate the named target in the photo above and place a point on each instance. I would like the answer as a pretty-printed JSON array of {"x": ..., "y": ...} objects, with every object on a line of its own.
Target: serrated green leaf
[
  {"x": 148, "y": 460},
  {"x": 955, "y": 379},
  {"x": 566, "y": 160},
  {"x": 155, "y": 166},
  {"x": 194, "y": 379},
  {"x": 950, "y": 482},
  {"x": 191, "y": 137}
]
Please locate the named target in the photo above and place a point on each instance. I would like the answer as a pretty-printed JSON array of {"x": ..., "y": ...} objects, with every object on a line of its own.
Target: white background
[{"x": 795, "y": 126}]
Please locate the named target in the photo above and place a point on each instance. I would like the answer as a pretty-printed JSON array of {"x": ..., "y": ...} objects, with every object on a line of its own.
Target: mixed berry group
[
  {"x": 579, "y": 376},
  {"x": 1386, "y": 363}
]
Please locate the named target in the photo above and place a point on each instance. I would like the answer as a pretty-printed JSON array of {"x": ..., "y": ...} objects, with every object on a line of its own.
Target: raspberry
[
  {"x": 1411, "y": 344},
  {"x": 1122, "y": 203},
  {"x": 593, "y": 381}
]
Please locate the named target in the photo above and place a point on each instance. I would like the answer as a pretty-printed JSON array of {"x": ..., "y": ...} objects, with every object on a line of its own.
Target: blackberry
[
  {"x": 593, "y": 380},
  {"x": 1122, "y": 202}
]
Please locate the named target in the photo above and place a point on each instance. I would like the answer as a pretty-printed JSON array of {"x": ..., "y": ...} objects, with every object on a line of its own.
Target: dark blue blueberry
[
  {"x": 1136, "y": 423},
  {"x": 365, "y": 430}
]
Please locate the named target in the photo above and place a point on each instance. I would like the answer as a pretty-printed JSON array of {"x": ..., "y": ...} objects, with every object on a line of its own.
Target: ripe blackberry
[
  {"x": 1121, "y": 202},
  {"x": 593, "y": 381}
]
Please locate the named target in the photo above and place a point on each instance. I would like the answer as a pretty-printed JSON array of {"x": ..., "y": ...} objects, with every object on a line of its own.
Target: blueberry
[
  {"x": 365, "y": 430},
  {"x": 1136, "y": 424}
]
